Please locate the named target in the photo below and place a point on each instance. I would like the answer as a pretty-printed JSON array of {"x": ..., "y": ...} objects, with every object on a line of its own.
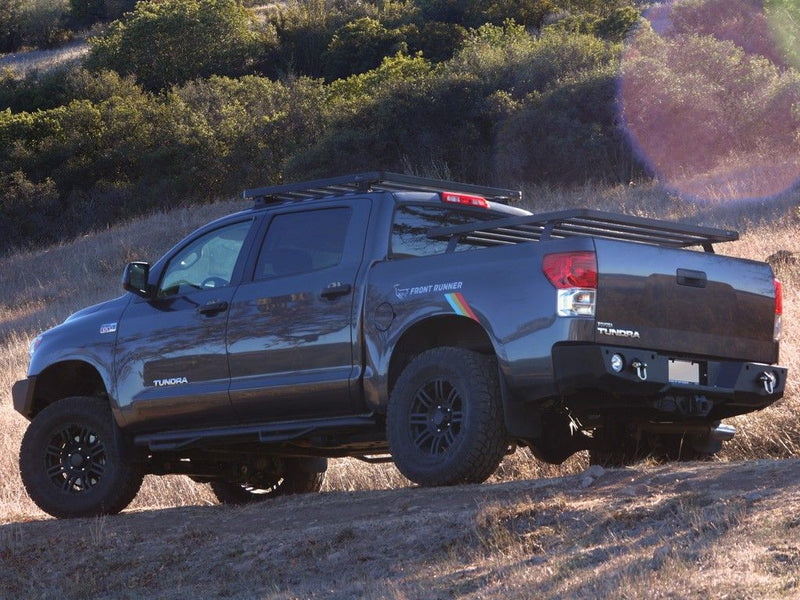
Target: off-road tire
[
  {"x": 74, "y": 461},
  {"x": 444, "y": 422},
  {"x": 296, "y": 479}
]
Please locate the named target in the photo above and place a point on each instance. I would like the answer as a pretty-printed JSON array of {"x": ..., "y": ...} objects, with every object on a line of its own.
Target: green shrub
[
  {"x": 174, "y": 41},
  {"x": 34, "y": 90},
  {"x": 86, "y": 12},
  {"x": 474, "y": 13},
  {"x": 10, "y": 34},
  {"x": 256, "y": 125},
  {"x": 30, "y": 212},
  {"x": 43, "y": 23},
  {"x": 359, "y": 46},
  {"x": 566, "y": 134}
]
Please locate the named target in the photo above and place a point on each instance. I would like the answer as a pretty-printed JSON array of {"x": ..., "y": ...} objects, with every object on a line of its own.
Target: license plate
[{"x": 682, "y": 371}]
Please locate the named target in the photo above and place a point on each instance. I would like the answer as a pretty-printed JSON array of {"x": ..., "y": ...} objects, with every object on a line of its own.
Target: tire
[
  {"x": 299, "y": 477},
  {"x": 74, "y": 462},
  {"x": 444, "y": 422}
]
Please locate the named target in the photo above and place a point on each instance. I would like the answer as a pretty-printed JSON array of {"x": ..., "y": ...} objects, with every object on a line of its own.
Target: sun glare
[{"x": 710, "y": 97}]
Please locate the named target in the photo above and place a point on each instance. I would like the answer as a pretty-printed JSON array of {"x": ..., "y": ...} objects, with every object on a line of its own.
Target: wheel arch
[
  {"x": 434, "y": 332},
  {"x": 64, "y": 379}
]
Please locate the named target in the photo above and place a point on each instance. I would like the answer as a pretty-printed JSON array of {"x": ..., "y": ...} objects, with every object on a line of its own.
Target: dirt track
[{"x": 578, "y": 536}]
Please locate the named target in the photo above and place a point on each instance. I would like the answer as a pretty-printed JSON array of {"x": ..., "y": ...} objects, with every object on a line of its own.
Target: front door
[
  {"x": 171, "y": 366},
  {"x": 290, "y": 334}
]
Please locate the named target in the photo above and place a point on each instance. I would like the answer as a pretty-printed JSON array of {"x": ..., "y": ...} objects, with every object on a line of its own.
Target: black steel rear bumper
[{"x": 723, "y": 388}]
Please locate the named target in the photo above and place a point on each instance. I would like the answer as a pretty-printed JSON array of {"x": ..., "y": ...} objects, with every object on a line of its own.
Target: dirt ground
[{"x": 716, "y": 530}]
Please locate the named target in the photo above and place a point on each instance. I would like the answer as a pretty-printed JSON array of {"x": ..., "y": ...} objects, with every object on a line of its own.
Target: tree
[{"x": 174, "y": 41}]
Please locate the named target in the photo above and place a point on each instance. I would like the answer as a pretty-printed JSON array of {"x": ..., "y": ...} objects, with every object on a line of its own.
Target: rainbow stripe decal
[{"x": 460, "y": 305}]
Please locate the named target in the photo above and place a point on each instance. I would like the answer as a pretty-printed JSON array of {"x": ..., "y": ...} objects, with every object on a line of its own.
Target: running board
[{"x": 266, "y": 433}]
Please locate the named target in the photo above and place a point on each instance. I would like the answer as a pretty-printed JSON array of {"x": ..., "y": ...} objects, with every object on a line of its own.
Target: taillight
[
  {"x": 571, "y": 269},
  {"x": 466, "y": 199},
  {"x": 778, "y": 310},
  {"x": 574, "y": 275}
]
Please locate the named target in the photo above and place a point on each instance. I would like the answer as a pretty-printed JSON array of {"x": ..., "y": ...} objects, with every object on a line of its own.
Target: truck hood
[{"x": 107, "y": 308}]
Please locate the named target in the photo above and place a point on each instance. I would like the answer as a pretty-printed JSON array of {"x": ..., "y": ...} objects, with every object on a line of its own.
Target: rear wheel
[
  {"x": 296, "y": 476},
  {"x": 445, "y": 420},
  {"x": 74, "y": 462}
]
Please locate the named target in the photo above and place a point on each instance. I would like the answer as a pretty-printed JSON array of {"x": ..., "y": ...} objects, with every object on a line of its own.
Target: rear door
[{"x": 290, "y": 334}]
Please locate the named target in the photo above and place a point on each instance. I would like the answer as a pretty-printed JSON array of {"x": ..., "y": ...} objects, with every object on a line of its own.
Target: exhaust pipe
[{"x": 721, "y": 433}]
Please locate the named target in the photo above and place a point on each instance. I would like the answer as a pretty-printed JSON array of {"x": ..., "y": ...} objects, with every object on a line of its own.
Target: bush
[
  {"x": 34, "y": 90},
  {"x": 42, "y": 23},
  {"x": 474, "y": 13},
  {"x": 566, "y": 134},
  {"x": 359, "y": 46},
  {"x": 174, "y": 41},
  {"x": 30, "y": 212},
  {"x": 704, "y": 112},
  {"x": 10, "y": 34},
  {"x": 86, "y": 12}
]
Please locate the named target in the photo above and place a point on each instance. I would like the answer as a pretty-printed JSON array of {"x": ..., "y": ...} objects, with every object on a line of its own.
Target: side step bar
[{"x": 266, "y": 433}]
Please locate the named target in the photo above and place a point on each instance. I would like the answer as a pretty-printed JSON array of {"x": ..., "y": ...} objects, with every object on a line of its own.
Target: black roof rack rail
[
  {"x": 372, "y": 181},
  {"x": 583, "y": 222}
]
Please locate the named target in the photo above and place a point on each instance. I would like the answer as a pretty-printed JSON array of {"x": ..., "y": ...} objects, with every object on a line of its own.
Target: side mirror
[{"x": 134, "y": 279}]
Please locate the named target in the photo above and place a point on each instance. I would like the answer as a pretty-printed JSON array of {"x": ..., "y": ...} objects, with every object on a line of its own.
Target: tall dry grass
[
  {"x": 42, "y": 61},
  {"x": 39, "y": 289}
]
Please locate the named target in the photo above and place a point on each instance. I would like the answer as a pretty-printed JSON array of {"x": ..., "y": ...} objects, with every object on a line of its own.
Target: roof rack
[
  {"x": 371, "y": 181},
  {"x": 582, "y": 222}
]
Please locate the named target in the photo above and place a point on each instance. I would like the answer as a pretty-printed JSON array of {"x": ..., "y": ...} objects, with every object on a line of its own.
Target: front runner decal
[
  {"x": 421, "y": 290},
  {"x": 460, "y": 305}
]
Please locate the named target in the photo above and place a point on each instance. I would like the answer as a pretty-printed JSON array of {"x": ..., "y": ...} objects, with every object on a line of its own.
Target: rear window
[{"x": 412, "y": 222}]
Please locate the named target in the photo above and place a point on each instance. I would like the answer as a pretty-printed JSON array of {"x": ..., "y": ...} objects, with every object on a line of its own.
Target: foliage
[
  {"x": 38, "y": 23},
  {"x": 34, "y": 91},
  {"x": 359, "y": 46},
  {"x": 174, "y": 41},
  {"x": 565, "y": 134},
  {"x": 474, "y": 13},
  {"x": 10, "y": 34},
  {"x": 735, "y": 104},
  {"x": 87, "y": 12},
  {"x": 186, "y": 99}
]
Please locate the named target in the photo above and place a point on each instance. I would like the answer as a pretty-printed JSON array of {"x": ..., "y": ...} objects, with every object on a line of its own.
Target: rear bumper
[
  {"x": 22, "y": 396},
  {"x": 722, "y": 388}
]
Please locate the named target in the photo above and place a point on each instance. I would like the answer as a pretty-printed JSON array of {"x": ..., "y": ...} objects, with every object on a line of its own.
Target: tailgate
[{"x": 685, "y": 302}]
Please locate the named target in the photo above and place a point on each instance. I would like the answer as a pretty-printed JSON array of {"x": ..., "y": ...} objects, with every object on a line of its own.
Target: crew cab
[{"x": 389, "y": 317}]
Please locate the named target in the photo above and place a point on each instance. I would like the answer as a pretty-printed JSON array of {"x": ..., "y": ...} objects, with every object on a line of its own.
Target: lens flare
[{"x": 710, "y": 97}]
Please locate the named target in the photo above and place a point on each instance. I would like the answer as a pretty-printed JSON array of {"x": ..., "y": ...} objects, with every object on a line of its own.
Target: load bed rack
[
  {"x": 582, "y": 222},
  {"x": 368, "y": 182}
]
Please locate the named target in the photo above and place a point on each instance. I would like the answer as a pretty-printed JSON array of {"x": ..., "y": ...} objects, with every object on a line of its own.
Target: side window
[
  {"x": 302, "y": 242},
  {"x": 412, "y": 222},
  {"x": 207, "y": 262}
]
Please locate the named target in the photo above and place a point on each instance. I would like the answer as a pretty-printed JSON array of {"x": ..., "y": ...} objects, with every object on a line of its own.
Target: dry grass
[
  {"x": 40, "y": 289},
  {"x": 686, "y": 531},
  {"x": 43, "y": 61}
]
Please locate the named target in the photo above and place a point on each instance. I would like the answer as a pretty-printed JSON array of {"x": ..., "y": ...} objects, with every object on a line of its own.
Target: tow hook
[
  {"x": 769, "y": 380},
  {"x": 640, "y": 368}
]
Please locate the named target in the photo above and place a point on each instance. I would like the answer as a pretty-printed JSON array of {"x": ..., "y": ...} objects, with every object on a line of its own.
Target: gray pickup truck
[{"x": 389, "y": 317}]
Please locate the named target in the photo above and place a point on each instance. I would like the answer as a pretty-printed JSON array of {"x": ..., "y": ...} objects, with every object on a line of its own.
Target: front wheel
[
  {"x": 74, "y": 463},
  {"x": 296, "y": 476},
  {"x": 444, "y": 423}
]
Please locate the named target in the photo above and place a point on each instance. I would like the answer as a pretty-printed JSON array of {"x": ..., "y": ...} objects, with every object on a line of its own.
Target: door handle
[
  {"x": 334, "y": 290},
  {"x": 213, "y": 307},
  {"x": 691, "y": 278}
]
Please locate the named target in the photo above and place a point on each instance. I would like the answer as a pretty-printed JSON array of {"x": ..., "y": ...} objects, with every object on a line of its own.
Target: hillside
[{"x": 726, "y": 530}]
